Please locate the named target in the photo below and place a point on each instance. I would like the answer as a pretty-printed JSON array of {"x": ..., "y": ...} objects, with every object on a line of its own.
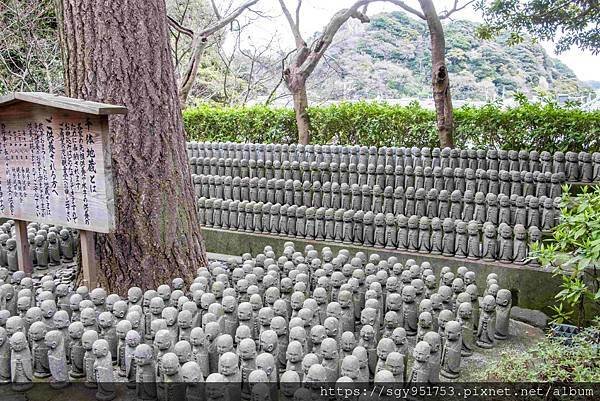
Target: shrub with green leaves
[
  {"x": 526, "y": 126},
  {"x": 551, "y": 360},
  {"x": 573, "y": 251}
]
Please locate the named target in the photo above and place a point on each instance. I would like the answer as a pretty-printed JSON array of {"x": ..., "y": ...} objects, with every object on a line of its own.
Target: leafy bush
[
  {"x": 551, "y": 360},
  {"x": 574, "y": 253},
  {"x": 526, "y": 126}
]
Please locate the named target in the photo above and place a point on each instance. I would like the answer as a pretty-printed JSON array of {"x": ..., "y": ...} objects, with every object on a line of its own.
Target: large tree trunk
[
  {"x": 296, "y": 84},
  {"x": 301, "y": 110},
  {"x": 118, "y": 52},
  {"x": 440, "y": 80}
]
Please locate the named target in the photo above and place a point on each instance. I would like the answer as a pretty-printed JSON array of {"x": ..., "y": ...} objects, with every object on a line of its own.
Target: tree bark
[
  {"x": 301, "y": 110},
  {"x": 440, "y": 79},
  {"x": 118, "y": 52}
]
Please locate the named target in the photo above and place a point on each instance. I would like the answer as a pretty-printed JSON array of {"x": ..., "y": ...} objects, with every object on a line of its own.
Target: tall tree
[
  {"x": 306, "y": 58},
  {"x": 118, "y": 52},
  {"x": 29, "y": 51},
  {"x": 200, "y": 41},
  {"x": 570, "y": 23},
  {"x": 440, "y": 80}
]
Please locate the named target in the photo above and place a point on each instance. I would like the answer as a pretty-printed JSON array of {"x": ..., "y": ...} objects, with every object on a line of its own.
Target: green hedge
[{"x": 527, "y": 126}]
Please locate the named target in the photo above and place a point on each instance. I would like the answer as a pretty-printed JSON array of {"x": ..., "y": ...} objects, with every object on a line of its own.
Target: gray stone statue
[
  {"x": 103, "y": 371},
  {"x": 490, "y": 242},
  {"x": 486, "y": 328},
  {"x": 503, "y": 306},
  {"x": 421, "y": 369},
  {"x": 461, "y": 240},
  {"x": 474, "y": 243},
  {"x": 451, "y": 353},
  {"x": 520, "y": 244},
  {"x": 57, "y": 359},
  {"x": 505, "y": 245},
  {"x": 76, "y": 351},
  {"x": 21, "y": 369},
  {"x": 464, "y": 316}
]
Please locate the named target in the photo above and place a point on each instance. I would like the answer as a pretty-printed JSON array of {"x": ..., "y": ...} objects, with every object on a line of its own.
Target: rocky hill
[{"x": 389, "y": 58}]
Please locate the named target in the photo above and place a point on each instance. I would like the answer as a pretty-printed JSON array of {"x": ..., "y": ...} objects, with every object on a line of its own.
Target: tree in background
[
  {"x": 199, "y": 40},
  {"x": 118, "y": 52},
  {"x": 569, "y": 23},
  {"x": 440, "y": 80},
  {"x": 29, "y": 51},
  {"x": 306, "y": 58}
]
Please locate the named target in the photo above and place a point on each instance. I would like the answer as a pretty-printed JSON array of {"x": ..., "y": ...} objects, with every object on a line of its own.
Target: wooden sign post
[{"x": 55, "y": 168}]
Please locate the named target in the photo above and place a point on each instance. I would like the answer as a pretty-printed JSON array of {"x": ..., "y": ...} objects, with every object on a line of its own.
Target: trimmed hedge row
[{"x": 527, "y": 126}]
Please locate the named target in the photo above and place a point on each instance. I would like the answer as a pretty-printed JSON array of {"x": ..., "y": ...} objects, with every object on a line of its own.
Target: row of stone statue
[
  {"x": 527, "y": 210},
  {"x": 503, "y": 181},
  {"x": 437, "y": 236},
  {"x": 300, "y": 317},
  {"x": 48, "y": 245},
  {"x": 581, "y": 166}
]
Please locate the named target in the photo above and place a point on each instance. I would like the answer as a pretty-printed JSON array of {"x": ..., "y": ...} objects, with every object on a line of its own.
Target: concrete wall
[{"x": 532, "y": 287}]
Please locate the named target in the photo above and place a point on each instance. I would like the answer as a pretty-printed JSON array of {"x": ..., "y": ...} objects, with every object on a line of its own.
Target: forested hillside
[{"x": 390, "y": 58}]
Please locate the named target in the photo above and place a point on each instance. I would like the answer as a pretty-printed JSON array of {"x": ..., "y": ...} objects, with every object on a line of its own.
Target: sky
[{"x": 315, "y": 14}]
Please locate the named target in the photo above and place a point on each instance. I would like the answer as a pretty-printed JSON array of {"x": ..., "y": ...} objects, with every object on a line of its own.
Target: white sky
[{"x": 316, "y": 13}]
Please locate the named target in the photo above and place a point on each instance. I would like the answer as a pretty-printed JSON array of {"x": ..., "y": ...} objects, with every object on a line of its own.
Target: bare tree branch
[
  {"x": 200, "y": 43},
  {"x": 221, "y": 23},
  {"x": 293, "y": 24},
  {"x": 215, "y": 9},
  {"x": 455, "y": 8},
  {"x": 179, "y": 28},
  {"x": 407, "y": 8},
  {"x": 298, "y": 6},
  {"x": 324, "y": 41}
]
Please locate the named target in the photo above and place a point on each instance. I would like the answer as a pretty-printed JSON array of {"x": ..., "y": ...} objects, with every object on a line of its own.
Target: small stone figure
[
  {"x": 87, "y": 341},
  {"x": 53, "y": 249},
  {"x": 461, "y": 240},
  {"x": 520, "y": 244},
  {"x": 37, "y": 334},
  {"x": 132, "y": 340},
  {"x": 41, "y": 252},
  {"x": 103, "y": 371},
  {"x": 66, "y": 246},
  {"x": 424, "y": 235},
  {"x": 473, "y": 244},
  {"x": 503, "y": 306},
  {"x": 490, "y": 244},
  {"x": 173, "y": 390},
  {"x": 5, "y": 351},
  {"x": 425, "y": 325},
  {"x": 145, "y": 373},
  {"x": 11, "y": 255},
  {"x": 76, "y": 350},
  {"x": 21, "y": 370},
  {"x": 505, "y": 246},
  {"x": 486, "y": 328},
  {"x": 108, "y": 332},
  {"x": 451, "y": 353},
  {"x": 57, "y": 359},
  {"x": 420, "y": 371},
  {"x": 465, "y": 318},
  {"x": 448, "y": 241},
  {"x": 409, "y": 310}
]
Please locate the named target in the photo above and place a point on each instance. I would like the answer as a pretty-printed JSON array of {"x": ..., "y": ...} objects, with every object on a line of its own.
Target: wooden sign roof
[
  {"x": 55, "y": 161},
  {"x": 62, "y": 102}
]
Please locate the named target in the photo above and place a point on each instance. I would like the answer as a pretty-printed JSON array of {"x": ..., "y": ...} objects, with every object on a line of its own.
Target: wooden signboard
[{"x": 55, "y": 163}]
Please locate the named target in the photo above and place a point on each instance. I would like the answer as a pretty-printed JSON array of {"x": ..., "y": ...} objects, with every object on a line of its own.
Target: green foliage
[
  {"x": 390, "y": 58},
  {"x": 30, "y": 58},
  {"x": 572, "y": 23},
  {"x": 527, "y": 126},
  {"x": 551, "y": 361},
  {"x": 574, "y": 253}
]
